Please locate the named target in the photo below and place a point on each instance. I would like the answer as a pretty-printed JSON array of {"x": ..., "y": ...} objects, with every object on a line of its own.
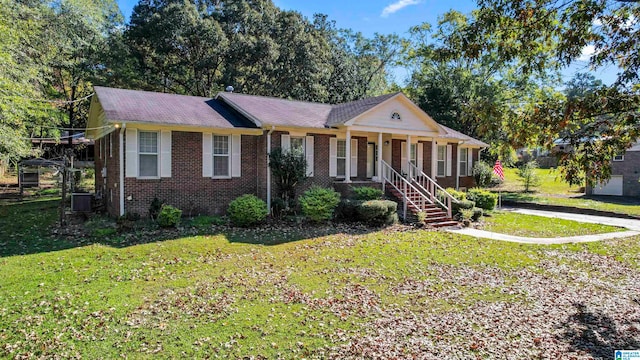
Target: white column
[
  {"x": 347, "y": 163},
  {"x": 121, "y": 165},
  {"x": 269, "y": 170},
  {"x": 379, "y": 162},
  {"x": 409, "y": 168}
]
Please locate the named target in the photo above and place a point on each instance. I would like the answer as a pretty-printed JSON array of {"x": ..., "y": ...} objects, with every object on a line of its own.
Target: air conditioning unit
[{"x": 81, "y": 202}]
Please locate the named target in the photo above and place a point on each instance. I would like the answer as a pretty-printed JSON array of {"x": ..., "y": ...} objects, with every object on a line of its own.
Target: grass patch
[
  {"x": 511, "y": 223},
  {"x": 267, "y": 293},
  {"x": 553, "y": 191}
]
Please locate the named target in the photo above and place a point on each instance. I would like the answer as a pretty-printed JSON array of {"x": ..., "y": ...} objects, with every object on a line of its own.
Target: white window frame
[
  {"x": 443, "y": 161},
  {"x": 343, "y": 141},
  {"x": 214, "y": 155},
  {"x": 464, "y": 161},
  {"x": 157, "y": 154},
  {"x": 618, "y": 157}
]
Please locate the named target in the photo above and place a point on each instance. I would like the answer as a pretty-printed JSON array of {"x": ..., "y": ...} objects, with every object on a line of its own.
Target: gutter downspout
[
  {"x": 269, "y": 169},
  {"x": 121, "y": 154}
]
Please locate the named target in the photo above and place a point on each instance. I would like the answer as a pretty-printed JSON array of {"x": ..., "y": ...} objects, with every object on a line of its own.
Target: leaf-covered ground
[{"x": 329, "y": 292}]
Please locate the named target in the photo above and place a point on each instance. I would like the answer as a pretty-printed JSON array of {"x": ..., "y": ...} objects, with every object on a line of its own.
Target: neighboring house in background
[
  {"x": 625, "y": 173},
  {"x": 199, "y": 153}
]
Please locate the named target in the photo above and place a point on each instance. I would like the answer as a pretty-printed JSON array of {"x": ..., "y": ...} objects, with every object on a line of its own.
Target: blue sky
[{"x": 385, "y": 17}]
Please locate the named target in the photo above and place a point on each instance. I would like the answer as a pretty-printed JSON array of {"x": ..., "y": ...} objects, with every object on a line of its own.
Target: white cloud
[
  {"x": 587, "y": 52},
  {"x": 400, "y": 4}
]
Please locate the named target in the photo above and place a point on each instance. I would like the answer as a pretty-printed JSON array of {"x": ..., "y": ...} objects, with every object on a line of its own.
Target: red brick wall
[
  {"x": 194, "y": 194},
  {"x": 187, "y": 189}
]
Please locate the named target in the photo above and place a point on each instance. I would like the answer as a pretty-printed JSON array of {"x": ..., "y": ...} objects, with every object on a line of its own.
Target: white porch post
[
  {"x": 409, "y": 168},
  {"x": 379, "y": 161},
  {"x": 347, "y": 163},
  {"x": 121, "y": 170}
]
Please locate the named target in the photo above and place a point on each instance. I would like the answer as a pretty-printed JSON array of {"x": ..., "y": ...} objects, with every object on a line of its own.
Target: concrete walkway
[{"x": 633, "y": 227}]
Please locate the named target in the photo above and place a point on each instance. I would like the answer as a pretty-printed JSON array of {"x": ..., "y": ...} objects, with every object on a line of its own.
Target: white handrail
[
  {"x": 431, "y": 188},
  {"x": 389, "y": 175}
]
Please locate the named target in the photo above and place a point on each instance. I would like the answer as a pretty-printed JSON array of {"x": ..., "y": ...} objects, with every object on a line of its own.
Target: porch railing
[
  {"x": 410, "y": 193},
  {"x": 431, "y": 189}
]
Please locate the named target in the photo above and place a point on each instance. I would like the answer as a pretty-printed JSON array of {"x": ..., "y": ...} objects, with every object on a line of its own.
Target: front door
[{"x": 371, "y": 160}]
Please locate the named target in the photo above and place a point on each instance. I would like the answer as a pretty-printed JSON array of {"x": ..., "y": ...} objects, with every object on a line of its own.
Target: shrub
[
  {"x": 477, "y": 214},
  {"x": 484, "y": 199},
  {"x": 318, "y": 204},
  {"x": 422, "y": 217},
  {"x": 288, "y": 168},
  {"x": 347, "y": 210},
  {"x": 458, "y": 195},
  {"x": 461, "y": 205},
  {"x": 466, "y": 214},
  {"x": 483, "y": 174},
  {"x": 367, "y": 193},
  {"x": 169, "y": 216},
  {"x": 247, "y": 210},
  {"x": 154, "y": 208},
  {"x": 378, "y": 212},
  {"x": 528, "y": 176}
]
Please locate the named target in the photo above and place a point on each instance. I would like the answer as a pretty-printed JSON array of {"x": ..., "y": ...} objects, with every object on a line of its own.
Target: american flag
[{"x": 497, "y": 169}]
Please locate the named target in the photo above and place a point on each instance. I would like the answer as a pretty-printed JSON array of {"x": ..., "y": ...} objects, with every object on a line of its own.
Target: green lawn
[
  {"x": 317, "y": 292},
  {"x": 553, "y": 191},
  {"x": 539, "y": 226}
]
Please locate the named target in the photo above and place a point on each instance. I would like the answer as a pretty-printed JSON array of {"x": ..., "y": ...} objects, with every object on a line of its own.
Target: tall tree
[
  {"x": 258, "y": 48},
  {"x": 80, "y": 30},
  {"x": 480, "y": 96},
  {"x": 23, "y": 54},
  {"x": 550, "y": 34}
]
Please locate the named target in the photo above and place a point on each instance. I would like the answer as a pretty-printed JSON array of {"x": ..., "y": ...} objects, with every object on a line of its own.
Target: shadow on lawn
[
  {"x": 597, "y": 333},
  {"x": 26, "y": 228}
]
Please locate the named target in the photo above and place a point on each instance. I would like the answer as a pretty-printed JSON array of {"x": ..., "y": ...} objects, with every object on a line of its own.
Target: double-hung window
[
  {"x": 221, "y": 156},
  {"x": 442, "y": 160},
  {"x": 297, "y": 146},
  {"x": 464, "y": 156},
  {"x": 341, "y": 158},
  {"x": 148, "y": 154}
]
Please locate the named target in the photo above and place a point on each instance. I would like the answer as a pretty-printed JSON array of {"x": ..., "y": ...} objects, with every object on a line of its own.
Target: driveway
[{"x": 633, "y": 227}]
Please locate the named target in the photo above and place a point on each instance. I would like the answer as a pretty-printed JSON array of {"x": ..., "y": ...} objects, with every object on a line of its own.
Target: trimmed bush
[
  {"x": 378, "y": 212},
  {"x": 484, "y": 199},
  {"x": 318, "y": 204},
  {"x": 169, "y": 216},
  {"x": 347, "y": 210},
  {"x": 367, "y": 193},
  {"x": 461, "y": 205},
  {"x": 458, "y": 195},
  {"x": 247, "y": 210}
]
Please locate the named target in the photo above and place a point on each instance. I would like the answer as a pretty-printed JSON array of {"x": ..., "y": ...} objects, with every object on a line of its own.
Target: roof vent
[{"x": 229, "y": 88}]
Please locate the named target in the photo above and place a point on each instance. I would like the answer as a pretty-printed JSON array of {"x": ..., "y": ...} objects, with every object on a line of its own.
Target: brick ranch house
[
  {"x": 625, "y": 174},
  {"x": 201, "y": 153}
]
